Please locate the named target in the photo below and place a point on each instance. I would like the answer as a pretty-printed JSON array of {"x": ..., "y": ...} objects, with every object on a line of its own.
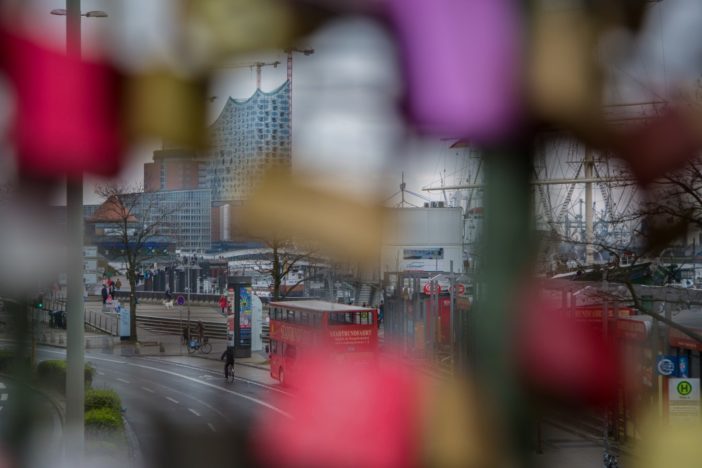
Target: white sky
[{"x": 346, "y": 126}]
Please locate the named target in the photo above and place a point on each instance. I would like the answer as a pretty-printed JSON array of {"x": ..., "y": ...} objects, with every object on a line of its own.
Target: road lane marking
[
  {"x": 3, "y": 397},
  {"x": 207, "y": 384},
  {"x": 2, "y": 385},
  {"x": 123, "y": 380},
  {"x": 203, "y": 403},
  {"x": 147, "y": 389},
  {"x": 194, "y": 412},
  {"x": 101, "y": 373},
  {"x": 218, "y": 374},
  {"x": 172, "y": 400},
  {"x": 192, "y": 379},
  {"x": 212, "y": 428}
]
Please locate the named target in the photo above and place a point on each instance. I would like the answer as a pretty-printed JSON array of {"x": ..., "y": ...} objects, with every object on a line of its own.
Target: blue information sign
[
  {"x": 683, "y": 367},
  {"x": 666, "y": 365}
]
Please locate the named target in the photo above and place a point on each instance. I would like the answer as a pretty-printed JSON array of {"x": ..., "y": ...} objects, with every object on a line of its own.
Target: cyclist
[{"x": 229, "y": 355}]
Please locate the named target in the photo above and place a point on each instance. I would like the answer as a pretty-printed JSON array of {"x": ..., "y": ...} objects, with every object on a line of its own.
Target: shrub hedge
[
  {"x": 95, "y": 399},
  {"x": 52, "y": 373},
  {"x": 103, "y": 420}
]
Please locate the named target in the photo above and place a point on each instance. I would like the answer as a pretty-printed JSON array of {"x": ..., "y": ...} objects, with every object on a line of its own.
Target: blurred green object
[{"x": 507, "y": 254}]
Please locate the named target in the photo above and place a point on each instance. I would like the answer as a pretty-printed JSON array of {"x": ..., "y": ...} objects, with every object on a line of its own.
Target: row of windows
[
  {"x": 283, "y": 349},
  {"x": 296, "y": 316},
  {"x": 349, "y": 318},
  {"x": 314, "y": 319}
]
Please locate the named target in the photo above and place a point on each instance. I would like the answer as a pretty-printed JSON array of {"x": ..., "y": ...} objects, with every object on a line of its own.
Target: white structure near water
[{"x": 422, "y": 239}]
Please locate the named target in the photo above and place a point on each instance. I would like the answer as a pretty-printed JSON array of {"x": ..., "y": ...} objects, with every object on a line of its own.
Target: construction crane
[{"x": 257, "y": 66}]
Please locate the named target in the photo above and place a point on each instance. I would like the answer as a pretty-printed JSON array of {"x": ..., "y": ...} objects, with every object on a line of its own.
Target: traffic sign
[
  {"x": 684, "y": 401},
  {"x": 665, "y": 365},
  {"x": 180, "y": 300},
  {"x": 459, "y": 288},
  {"x": 428, "y": 289}
]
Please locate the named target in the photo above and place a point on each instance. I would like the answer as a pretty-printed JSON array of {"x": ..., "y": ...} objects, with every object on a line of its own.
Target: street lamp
[{"x": 75, "y": 307}]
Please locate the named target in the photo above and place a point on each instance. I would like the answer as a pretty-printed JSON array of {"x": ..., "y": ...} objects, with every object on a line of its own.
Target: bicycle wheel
[{"x": 206, "y": 348}]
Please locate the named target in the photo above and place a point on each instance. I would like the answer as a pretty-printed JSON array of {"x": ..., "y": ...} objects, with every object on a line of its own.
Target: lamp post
[{"x": 75, "y": 355}]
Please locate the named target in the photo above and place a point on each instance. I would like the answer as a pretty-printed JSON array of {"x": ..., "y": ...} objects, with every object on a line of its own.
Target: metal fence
[{"x": 426, "y": 322}]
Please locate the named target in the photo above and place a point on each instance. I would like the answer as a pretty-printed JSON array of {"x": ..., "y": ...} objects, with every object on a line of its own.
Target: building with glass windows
[
  {"x": 174, "y": 219},
  {"x": 188, "y": 216},
  {"x": 248, "y": 136}
]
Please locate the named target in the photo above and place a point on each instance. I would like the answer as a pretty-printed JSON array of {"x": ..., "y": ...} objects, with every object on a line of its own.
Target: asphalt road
[
  {"x": 185, "y": 408},
  {"x": 19, "y": 404}
]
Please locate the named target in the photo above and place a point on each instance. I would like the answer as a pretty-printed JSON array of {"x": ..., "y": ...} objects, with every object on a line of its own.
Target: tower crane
[{"x": 257, "y": 66}]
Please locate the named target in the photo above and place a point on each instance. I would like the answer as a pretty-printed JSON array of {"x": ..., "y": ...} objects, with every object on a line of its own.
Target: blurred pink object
[
  {"x": 345, "y": 415},
  {"x": 462, "y": 62},
  {"x": 566, "y": 359},
  {"x": 68, "y": 111}
]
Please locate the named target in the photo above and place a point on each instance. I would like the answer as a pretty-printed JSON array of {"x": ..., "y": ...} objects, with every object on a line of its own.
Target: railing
[
  {"x": 158, "y": 296},
  {"x": 173, "y": 326},
  {"x": 102, "y": 321}
]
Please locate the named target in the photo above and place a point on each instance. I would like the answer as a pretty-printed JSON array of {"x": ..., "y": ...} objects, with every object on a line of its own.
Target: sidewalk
[{"x": 149, "y": 344}]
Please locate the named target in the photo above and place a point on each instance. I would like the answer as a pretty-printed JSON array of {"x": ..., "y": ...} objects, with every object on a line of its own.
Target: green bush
[
  {"x": 103, "y": 420},
  {"x": 52, "y": 373},
  {"x": 95, "y": 399}
]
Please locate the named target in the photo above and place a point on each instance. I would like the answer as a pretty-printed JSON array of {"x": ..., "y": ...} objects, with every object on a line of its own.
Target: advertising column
[{"x": 239, "y": 292}]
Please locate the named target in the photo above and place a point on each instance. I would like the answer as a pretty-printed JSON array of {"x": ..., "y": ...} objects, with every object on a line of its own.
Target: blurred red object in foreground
[
  {"x": 67, "y": 118},
  {"x": 662, "y": 145},
  {"x": 565, "y": 359},
  {"x": 344, "y": 415}
]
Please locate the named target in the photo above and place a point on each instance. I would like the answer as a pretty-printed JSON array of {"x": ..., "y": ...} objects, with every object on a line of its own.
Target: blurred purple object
[{"x": 462, "y": 62}]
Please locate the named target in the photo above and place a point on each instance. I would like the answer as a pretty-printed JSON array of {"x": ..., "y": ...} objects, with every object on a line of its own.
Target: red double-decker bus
[{"x": 347, "y": 333}]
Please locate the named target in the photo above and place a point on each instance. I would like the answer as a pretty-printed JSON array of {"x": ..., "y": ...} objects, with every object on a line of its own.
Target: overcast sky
[{"x": 346, "y": 126}]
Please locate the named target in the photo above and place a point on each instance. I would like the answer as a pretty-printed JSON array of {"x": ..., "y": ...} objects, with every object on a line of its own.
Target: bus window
[
  {"x": 290, "y": 351},
  {"x": 303, "y": 318},
  {"x": 290, "y": 316}
]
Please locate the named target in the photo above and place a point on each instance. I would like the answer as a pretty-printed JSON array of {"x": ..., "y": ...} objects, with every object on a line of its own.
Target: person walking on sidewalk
[
  {"x": 229, "y": 363},
  {"x": 223, "y": 304},
  {"x": 104, "y": 295}
]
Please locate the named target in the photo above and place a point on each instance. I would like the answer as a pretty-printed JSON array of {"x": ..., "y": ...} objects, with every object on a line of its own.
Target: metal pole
[
  {"x": 75, "y": 389},
  {"x": 452, "y": 318},
  {"x": 589, "y": 164},
  {"x": 188, "y": 269}
]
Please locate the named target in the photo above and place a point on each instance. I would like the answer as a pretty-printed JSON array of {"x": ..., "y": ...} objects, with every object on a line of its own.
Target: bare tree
[
  {"x": 286, "y": 256},
  {"x": 670, "y": 207},
  {"x": 135, "y": 219}
]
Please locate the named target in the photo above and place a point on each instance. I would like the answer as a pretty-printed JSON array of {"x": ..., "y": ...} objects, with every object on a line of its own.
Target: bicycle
[
  {"x": 205, "y": 347},
  {"x": 230, "y": 373},
  {"x": 610, "y": 461}
]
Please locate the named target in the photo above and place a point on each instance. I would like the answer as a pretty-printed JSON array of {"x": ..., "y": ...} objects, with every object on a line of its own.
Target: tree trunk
[
  {"x": 276, "y": 274},
  {"x": 131, "y": 276}
]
